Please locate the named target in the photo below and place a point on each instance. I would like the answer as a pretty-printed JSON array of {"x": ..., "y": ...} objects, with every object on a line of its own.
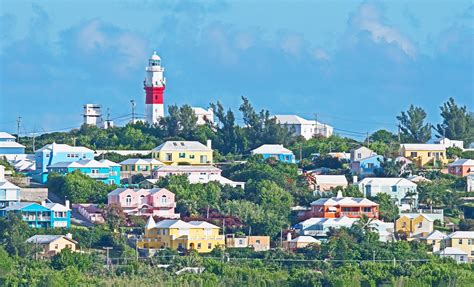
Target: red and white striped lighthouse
[{"x": 154, "y": 83}]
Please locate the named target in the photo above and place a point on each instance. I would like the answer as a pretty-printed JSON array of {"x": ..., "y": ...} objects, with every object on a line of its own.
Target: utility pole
[
  {"x": 316, "y": 120},
  {"x": 368, "y": 140},
  {"x": 132, "y": 102},
  {"x": 18, "y": 123},
  {"x": 399, "y": 135},
  {"x": 301, "y": 152},
  {"x": 108, "y": 260}
]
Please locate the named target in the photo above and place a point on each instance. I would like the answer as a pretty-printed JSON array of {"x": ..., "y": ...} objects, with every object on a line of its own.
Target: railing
[
  {"x": 98, "y": 175},
  {"x": 165, "y": 205}
]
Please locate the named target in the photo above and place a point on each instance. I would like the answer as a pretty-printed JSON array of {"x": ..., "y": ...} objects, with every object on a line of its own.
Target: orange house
[
  {"x": 461, "y": 167},
  {"x": 339, "y": 206}
]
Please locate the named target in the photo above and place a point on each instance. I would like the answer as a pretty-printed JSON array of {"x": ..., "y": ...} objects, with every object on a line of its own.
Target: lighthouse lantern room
[{"x": 154, "y": 86}]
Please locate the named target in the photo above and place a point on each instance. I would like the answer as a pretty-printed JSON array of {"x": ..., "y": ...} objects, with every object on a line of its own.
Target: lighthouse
[{"x": 154, "y": 86}]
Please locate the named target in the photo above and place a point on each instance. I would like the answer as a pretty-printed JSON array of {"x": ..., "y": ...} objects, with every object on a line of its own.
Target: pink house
[{"x": 155, "y": 202}]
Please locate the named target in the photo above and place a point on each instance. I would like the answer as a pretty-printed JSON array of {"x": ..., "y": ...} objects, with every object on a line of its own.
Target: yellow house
[
  {"x": 183, "y": 152},
  {"x": 182, "y": 236},
  {"x": 423, "y": 154},
  {"x": 140, "y": 164},
  {"x": 462, "y": 240},
  {"x": 435, "y": 240},
  {"x": 51, "y": 245},
  {"x": 414, "y": 225}
]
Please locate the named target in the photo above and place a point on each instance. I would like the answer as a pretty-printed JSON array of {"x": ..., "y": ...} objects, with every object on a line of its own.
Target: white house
[
  {"x": 398, "y": 189},
  {"x": 303, "y": 127},
  {"x": 450, "y": 143},
  {"x": 457, "y": 254},
  {"x": 9, "y": 193},
  {"x": 197, "y": 174},
  {"x": 203, "y": 115},
  {"x": 324, "y": 182}
]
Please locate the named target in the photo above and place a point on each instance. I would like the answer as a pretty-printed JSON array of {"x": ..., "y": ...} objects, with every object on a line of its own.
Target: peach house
[
  {"x": 461, "y": 167},
  {"x": 340, "y": 206},
  {"x": 155, "y": 202}
]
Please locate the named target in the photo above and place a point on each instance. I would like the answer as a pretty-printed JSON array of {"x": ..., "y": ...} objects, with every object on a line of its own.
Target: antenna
[
  {"x": 132, "y": 102},
  {"x": 18, "y": 124}
]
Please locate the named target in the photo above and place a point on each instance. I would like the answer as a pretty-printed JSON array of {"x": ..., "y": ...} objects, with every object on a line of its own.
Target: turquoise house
[
  {"x": 105, "y": 170},
  {"x": 44, "y": 215},
  {"x": 367, "y": 166},
  {"x": 275, "y": 151},
  {"x": 58, "y": 153}
]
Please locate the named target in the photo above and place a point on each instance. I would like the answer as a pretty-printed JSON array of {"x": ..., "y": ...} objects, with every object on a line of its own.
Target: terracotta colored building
[
  {"x": 340, "y": 206},
  {"x": 461, "y": 167}
]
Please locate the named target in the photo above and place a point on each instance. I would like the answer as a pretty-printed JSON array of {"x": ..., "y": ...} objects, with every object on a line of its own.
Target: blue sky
[{"x": 356, "y": 64}]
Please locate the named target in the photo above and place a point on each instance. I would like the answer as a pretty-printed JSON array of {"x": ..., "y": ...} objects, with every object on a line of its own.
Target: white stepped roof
[
  {"x": 429, "y": 147},
  {"x": 4, "y": 135},
  {"x": 141, "y": 161},
  {"x": 109, "y": 162},
  {"x": 330, "y": 179},
  {"x": 384, "y": 181},
  {"x": 436, "y": 235},
  {"x": 462, "y": 234},
  {"x": 271, "y": 149},
  {"x": 305, "y": 239},
  {"x": 5, "y": 184},
  {"x": 182, "y": 146},
  {"x": 189, "y": 168},
  {"x": 462, "y": 162},
  {"x": 293, "y": 120},
  {"x": 79, "y": 164},
  {"x": 54, "y": 147},
  {"x": 177, "y": 223},
  {"x": 451, "y": 251},
  {"x": 46, "y": 239},
  {"x": 344, "y": 201},
  {"x": 10, "y": 144}
]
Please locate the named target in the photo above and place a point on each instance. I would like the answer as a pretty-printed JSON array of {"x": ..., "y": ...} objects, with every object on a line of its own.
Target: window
[
  {"x": 413, "y": 154},
  {"x": 128, "y": 200},
  {"x": 47, "y": 155},
  {"x": 367, "y": 209},
  {"x": 203, "y": 159},
  {"x": 461, "y": 258},
  {"x": 460, "y": 241},
  {"x": 56, "y": 246},
  {"x": 169, "y": 157},
  {"x": 191, "y": 156},
  {"x": 469, "y": 241},
  {"x": 182, "y": 155},
  {"x": 429, "y": 154},
  {"x": 209, "y": 246},
  {"x": 394, "y": 188},
  {"x": 158, "y": 232},
  {"x": 359, "y": 155},
  {"x": 370, "y": 165},
  {"x": 257, "y": 241},
  {"x": 241, "y": 241},
  {"x": 164, "y": 199},
  {"x": 420, "y": 225},
  {"x": 404, "y": 224},
  {"x": 199, "y": 246}
]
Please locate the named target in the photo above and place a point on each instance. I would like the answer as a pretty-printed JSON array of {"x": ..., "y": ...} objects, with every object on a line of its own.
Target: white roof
[
  {"x": 387, "y": 181},
  {"x": 4, "y": 135},
  {"x": 45, "y": 239},
  {"x": 462, "y": 234},
  {"x": 188, "y": 168},
  {"x": 10, "y": 144},
  {"x": 293, "y": 120},
  {"x": 451, "y": 251},
  {"x": 271, "y": 149},
  {"x": 330, "y": 179},
  {"x": 177, "y": 223},
  {"x": 182, "y": 146},
  {"x": 80, "y": 163},
  {"x": 415, "y": 215},
  {"x": 202, "y": 224},
  {"x": 5, "y": 184},
  {"x": 462, "y": 161},
  {"x": 109, "y": 162},
  {"x": 142, "y": 161},
  {"x": 418, "y": 178},
  {"x": 54, "y": 147},
  {"x": 56, "y": 207},
  {"x": 416, "y": 147},
  {"x": 344, "y": 201},
  {"x": 305, "y": 239},
  {"x": 150, "y": 223},
  {"x": 436, "y": 235},
  {"x": 199, "y": 110}
]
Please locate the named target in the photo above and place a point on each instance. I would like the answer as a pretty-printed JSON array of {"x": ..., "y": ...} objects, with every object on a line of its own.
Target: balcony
[
  {"x": 164, "y": 205},
  {"x": 98, "y": 175}
]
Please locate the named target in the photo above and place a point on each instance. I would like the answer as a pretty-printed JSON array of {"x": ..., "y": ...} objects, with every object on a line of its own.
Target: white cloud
[
  {"x": 320, "y": 54},
  {"x": 368, "y": 19}
]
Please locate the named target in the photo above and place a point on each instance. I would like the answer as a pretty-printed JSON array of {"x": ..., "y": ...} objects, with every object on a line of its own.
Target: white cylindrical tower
[{"x": 154, "y": 86}]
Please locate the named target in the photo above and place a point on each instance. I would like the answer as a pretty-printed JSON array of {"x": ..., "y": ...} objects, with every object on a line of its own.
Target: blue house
[
  {"x": 44, "y": 215},
  {"x": 56, "y": 153},
  {"x": 9, "y": 146},
  {"x": 276, "y": 151},
  {"x": 366, "y": 166},
  {"x": 105, "y": 170}
]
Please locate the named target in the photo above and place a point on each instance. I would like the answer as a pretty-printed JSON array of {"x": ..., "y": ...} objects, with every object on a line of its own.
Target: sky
[{"x": 352, "y": 64}]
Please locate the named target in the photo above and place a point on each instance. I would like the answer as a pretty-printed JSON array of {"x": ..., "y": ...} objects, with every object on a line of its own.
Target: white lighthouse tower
[{"x": 154, "y": 86}]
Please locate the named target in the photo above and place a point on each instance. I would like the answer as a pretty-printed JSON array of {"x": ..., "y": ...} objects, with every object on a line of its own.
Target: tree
[
  {"x": 457, "y": 123},
  {"x": 389, "y": 168},
  {"x": 454, "y": 152},
  {"x": 387, "y": 209},
  {"x": 13, "y": 234},
  {"x": 67, "y": 258},
  {"x": 412, "y": 125},
  {"x": 383, "y": 136},
  {"x": 114, "y": 216}
]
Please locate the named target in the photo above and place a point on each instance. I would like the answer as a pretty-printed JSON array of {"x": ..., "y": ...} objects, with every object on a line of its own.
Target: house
[
  {"x": 105, "y": 170},
  {"x": 156, "y": 201},
  {"x": 434, "y": 239},
  {"x": 423, "y": 154},
  {"x": 435, "y": 214},
  {"x": 321, "y": 183},
  {"x": 51, "y": 245},
  {"x": 361, "y": 153},
  {"x": 9, "y": 193},
  {"x": 148, "y": 183},
  {"x": 197, "y": 174},
  {"x": 367, "y": 166},
  {"x": 178, "y": 235},
  {"x": 275, "y": 151},
  {"x": 418, "y": 178},
  {"x": 340, "y": 206},
  {"x": 140, "y": 164},
  {"x": 183, "y": 152},
  {"x": 470, "y": 182},
  {"x": 203, "y": 116},
  {"x": 320, "y": 227},
  {"x": 91, "y": 211},
  {"x": 401, "y": 190},
  {"x": 462, "y": 240},
  {"x": 411, "y": 226},
  {"x": 9, "y": 147},
  {"x": 44, "y": 215},
  {"x": 457, "y": 254},
  {"x": 55, "y": 153},
  {"x": 450, "y": 143},
  {"x": 303, "y": 127},
  {"x": 299, "y": 242},
  {"x": 461, "y": 167},
  {"x": 257, "y": 243}
]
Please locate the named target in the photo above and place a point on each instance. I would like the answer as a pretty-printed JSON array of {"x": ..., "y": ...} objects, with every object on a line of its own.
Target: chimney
[
  {"x": 339, "y": 194},
  {"x": 288, "y": 236},
  {"x": 209, "y": 144},
  {"x": 354, "y": 179},
  {"x": 67, "y": 204},
  {"x": 43, "y": 203},
  {"x": 69, "y": 235}
]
